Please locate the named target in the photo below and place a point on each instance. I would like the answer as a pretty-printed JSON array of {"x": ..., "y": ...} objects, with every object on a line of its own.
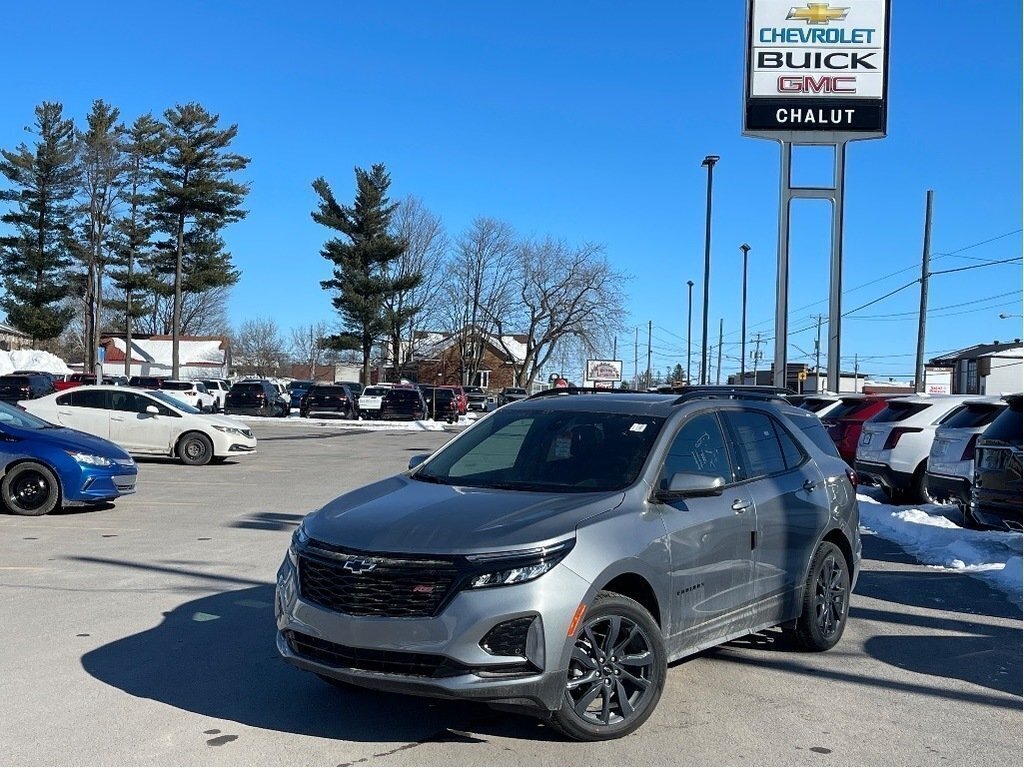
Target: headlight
[
  {"x": 230, "y": 430},
  {"x": 519, "y": 567},
  {"x": 299, "y": 539},
  {"x": 90, "y": 460}
]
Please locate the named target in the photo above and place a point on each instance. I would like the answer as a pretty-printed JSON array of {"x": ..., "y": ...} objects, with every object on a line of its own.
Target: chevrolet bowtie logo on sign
[
  {"x": 817, "y": 13},
  {"x": 359, "y": 565},
  {"x": 816, "y": 70}
]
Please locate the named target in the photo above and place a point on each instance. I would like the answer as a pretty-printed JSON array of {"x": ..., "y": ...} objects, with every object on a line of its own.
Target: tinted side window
[
  {"x": 699, "y": 448},
  {"x": 791, "y": 452},
  {"x": 811, "y": 426},
  {"x": 130, "y": 402},
  {"x": 1007, "y": 425},
  {"x": 83, "y": 397},
  {"x": 755, "y": 444}
]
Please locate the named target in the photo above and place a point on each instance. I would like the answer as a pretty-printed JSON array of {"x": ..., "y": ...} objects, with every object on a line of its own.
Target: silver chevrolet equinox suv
[{"x": 559, "y": 553}]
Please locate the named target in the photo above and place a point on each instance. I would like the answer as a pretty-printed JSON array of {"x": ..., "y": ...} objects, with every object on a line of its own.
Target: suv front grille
[
  {"x": 371, "y": 660},
  {"x": 374, "y": 585}
]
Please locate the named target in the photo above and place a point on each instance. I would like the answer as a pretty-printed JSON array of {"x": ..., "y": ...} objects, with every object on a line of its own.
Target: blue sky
[{"x": 586, "y": 121}]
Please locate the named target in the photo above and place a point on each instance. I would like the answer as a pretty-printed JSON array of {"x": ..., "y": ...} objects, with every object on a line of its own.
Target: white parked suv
[
  {"x": 192, "y": 393},
  {"x": 370, "y": 400},
  {"x": 951, "y": 461},
  {"x": 895, "y": 442}
]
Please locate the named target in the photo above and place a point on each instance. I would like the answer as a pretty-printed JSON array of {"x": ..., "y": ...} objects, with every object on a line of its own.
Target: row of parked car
[{"x": 959, "y": 449}]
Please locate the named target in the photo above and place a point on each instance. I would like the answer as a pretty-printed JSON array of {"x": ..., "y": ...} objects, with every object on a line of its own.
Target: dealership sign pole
[{"x": 816, "y": 74}]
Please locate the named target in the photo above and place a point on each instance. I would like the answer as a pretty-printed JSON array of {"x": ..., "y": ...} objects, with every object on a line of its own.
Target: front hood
[
  {"x": 408, "y": 516},
  {"x": 73, "y": 440},
  {"x": 224, "y": 421}
]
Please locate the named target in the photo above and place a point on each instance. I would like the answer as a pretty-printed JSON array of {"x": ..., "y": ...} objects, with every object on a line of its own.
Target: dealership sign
[
  {"x": 816, "y": 69},
  {"x": 604, "y": 370}
]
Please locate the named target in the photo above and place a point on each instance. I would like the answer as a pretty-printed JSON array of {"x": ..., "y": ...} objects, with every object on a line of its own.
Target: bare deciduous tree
[
  {"x": 561, "y": 292},
  {"x": 426, "y": 246},
  {"x": 202, "y": 314},
  {"x": 479, "y": 282},
  {"x": 309, "y": 346},
  {"x": 258, "y": 348}
]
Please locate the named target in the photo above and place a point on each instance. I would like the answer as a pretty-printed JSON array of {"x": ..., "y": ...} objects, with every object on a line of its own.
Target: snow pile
[
  {"x": 31, "y": 360},
  {"x": 926, "y": 533}
]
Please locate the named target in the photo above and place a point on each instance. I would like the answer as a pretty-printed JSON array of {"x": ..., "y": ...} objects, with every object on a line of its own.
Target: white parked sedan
[{"x": 144, "y": 421}]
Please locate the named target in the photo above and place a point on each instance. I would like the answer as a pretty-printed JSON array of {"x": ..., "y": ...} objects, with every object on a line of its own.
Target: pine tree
[
  {"x": 35, "y": 258},
  {"x": 103, "y": 168},
  {"x": 196, "y": 197},
  {"x": 361, "y": 282},
  {"x": 134, "y": 230}
]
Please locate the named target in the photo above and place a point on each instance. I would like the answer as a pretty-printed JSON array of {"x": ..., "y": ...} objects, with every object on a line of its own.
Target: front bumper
[
  {"x": 459, "y": 667},
  {"x": 92, "y": 485},
  {"x": 876, "y": 473}
]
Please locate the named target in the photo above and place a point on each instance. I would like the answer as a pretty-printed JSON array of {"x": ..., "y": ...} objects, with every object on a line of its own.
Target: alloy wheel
[
  {"x": 30, "y": 490},
  {"x": 830, "y": 596}
]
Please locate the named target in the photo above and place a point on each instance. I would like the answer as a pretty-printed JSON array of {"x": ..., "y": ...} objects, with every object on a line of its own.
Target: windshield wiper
[{"x": 425, "y": 478}]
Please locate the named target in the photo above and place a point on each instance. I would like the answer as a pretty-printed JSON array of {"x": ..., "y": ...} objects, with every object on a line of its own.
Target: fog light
[{"x": 508, "y": 638}]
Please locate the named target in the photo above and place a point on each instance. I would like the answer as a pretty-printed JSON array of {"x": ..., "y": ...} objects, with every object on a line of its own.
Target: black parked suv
[
  {"x": 28, "y": 386},
  {"x": 996, "y": 497},
  {"x": 560, "y": 553},
  {"x": 442, "y": 404},
  {"x": 402, "y": 403},
  {"x": 255, "y": 398},
  {"x": 333, "y": 399}
]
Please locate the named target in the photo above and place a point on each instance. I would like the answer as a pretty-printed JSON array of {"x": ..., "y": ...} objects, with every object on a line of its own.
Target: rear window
[
  {"x": 811, "y": 426},
  {"x": 13, "y": 381},
  {"x": 898, "y": 410},
  {"x": 1007, "y": 425},
  {"x": 403, "y": 395},
  {"x": 375, "y": 391},
  {"x": 178, "y": 386},
  {"x": 251, "y": 387},
  {"x": 847, "y": 407},
  {"x": 332, "y": 391},
  {"x": 973, "y": 415},
  {"x": 815, "y": 404}
]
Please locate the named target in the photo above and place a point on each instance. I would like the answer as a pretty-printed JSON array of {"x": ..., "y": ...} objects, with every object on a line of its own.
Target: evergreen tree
[
  {"x": 103, "y": 167},
  {"x": 361, "y": 281},
  {"x": 135, "y": 229},
  {"x": 196, "y": 197},
  {"x": 36, "y": 257}
]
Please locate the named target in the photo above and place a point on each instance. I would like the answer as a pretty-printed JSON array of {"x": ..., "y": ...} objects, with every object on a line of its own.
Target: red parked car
[
  {"x": 844, "y": 422},
  {"x": 461, "y": 398}
]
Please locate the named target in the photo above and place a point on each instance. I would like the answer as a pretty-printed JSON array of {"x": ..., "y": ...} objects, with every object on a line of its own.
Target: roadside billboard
[
  {"x": 604, "y": 370},
  {"x": 816, "y": 69}
]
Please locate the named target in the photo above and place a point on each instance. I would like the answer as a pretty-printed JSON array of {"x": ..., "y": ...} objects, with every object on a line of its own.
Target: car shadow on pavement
[
  {"x": 216, "y": 656},
  {"x": 268, "y": 521}
]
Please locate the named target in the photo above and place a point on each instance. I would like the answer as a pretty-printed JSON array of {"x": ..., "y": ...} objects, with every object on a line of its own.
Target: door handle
[
  {"x": 810, "y": 485},
  {"x": 117, "y": 418},
  {"x": 741, "y": 506}
]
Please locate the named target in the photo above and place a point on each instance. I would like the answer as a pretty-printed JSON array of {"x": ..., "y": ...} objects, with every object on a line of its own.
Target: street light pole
[
  {"x": 709, "y": 163},
  {"x": 689, "y": 330},
  {"x": 743, "y": 322}
]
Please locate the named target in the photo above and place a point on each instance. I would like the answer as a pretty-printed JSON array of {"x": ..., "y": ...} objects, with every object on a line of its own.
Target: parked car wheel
[
  {"x": 195, "y": 449},
  {"x": 919, "y": 486},
  {"x": 30, "y": 488},
  {"x": 826, "y": 600},
  {"x": 616, "y": 672}
]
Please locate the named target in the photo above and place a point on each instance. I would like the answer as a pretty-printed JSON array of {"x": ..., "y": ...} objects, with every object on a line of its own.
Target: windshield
[
  {"x": 15, "y": 417},
  {"x": 547, "y": 450},
  {"x": 375, "y": 392},
  {"x": 172, "y": 401}
]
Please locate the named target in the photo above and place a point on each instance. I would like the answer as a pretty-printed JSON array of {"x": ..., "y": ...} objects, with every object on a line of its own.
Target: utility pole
[
  {"x": 923, "y": 312},
  {"x": 636, "y": 357},
  {"x": 856, "y": 372},
  {"x": 718, "y": 373},
  {"x": 757, "y": 354},
  {"x": 817, "y": 354},
  {"x": 743, "y": 329},
  {"x": 689, "y": 331},
  {"x": 647, "y": 382},
  {"x": 615, "y": 344}
]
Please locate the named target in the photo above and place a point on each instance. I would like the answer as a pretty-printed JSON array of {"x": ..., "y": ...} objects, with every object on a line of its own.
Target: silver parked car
[{"x": 558, "y": 554}]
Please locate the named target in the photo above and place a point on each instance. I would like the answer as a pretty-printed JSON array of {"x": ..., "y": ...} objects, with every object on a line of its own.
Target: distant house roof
[
  {"x": 11, "y": 330},
  {"x": 193, "y": 351},
  {"x": 972, "y": 353},
  {"x": 432, "y": 344}
]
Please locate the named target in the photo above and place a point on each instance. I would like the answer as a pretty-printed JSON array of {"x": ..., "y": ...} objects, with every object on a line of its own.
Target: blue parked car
[
  {"x": 44, "y": 467},
  {"x": 296, "y": 390}
]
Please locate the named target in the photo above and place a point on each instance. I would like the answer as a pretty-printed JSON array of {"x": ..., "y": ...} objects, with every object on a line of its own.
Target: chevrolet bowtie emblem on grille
[
  {"x": 359, "y": 565},
  {"x": 817, "y": 13}
]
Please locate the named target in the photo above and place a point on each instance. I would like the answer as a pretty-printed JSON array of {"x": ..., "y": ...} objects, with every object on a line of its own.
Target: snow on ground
[
  {"x": 929, "y": 533},
  {"x": 31, "y": 360}
]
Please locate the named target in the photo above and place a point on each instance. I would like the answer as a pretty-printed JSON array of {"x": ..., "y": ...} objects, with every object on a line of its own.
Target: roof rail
[
  {"x": 553, "y": 391},
  {"x": 728, "y": 392}
]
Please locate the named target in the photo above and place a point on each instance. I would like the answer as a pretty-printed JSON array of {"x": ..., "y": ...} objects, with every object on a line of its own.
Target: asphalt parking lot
[{"x": 142, "y": 634}]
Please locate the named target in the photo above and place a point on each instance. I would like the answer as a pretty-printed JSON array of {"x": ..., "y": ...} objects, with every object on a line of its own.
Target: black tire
[
  {"x": 826, "y": 602},
  {"x": 918, "y": 492},
  {"x": 195, "y": 449},
  {"x": 617, "y": 665},
  {"x": 31, "y": 489},
  {"x": 218, "y": 459}
]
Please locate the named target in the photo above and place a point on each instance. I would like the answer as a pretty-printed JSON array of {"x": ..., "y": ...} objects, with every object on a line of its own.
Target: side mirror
[
  {"x": 418, "y": 459},
  {"x": 687, "y": 485},
  {"x": 152, "y": 410}
]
